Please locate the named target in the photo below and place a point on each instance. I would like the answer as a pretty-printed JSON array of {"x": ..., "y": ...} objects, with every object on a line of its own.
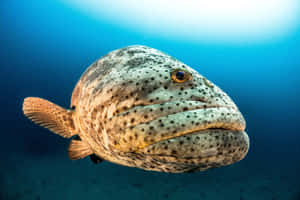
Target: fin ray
[
  {"x": 50, "y": 116},
  {"x": 78, "y": 149}
]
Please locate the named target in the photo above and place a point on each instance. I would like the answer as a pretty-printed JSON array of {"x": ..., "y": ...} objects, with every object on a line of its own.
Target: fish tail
[{"x": 50, "y": 116}]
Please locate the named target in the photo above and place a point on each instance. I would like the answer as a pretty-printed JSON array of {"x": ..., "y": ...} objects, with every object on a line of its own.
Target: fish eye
[{"x": 181, "y": 75}]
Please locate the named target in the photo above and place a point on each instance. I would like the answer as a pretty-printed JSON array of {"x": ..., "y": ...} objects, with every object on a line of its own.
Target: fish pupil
[{"x": 180, "y": 75}]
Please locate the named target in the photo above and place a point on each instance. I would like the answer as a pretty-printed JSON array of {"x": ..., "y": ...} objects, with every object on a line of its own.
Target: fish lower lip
[
  {"x": 196, "y": 132},
  {"x": 199, "y": 145}
]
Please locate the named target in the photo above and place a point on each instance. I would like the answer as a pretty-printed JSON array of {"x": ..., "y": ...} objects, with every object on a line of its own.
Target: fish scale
[{"x": 139, "y": 107}]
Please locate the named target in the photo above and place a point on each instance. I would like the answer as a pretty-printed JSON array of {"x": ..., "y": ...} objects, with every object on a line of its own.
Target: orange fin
[
  {"x": 78, "y": 149},
  {"x": 50, "y": 116}
]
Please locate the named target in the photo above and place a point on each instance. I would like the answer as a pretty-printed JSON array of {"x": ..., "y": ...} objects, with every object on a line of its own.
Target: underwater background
[{"x": 46, "y": 45}]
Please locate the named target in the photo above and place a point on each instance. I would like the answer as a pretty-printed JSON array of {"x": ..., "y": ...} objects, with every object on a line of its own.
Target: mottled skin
[{"x": 129, "y": 111}]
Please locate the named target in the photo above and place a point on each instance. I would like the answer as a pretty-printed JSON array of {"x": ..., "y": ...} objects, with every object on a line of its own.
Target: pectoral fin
[
  {"x": 50, "y": 116},
  {"x": 78, "y": 149}
]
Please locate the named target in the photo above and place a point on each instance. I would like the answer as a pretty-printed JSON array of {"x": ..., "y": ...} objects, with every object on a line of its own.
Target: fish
[{"x": 140, "y": 107}]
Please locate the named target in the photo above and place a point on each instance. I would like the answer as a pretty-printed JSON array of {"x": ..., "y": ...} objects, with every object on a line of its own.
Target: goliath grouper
[{"x": 142, "y": 108}]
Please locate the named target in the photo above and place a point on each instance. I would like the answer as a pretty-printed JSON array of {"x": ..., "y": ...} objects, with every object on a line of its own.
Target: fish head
[{"x": 161, "y": 109}]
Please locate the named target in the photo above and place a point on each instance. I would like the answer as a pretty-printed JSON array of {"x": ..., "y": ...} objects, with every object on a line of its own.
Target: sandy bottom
[{"x": 56, "y": 177}]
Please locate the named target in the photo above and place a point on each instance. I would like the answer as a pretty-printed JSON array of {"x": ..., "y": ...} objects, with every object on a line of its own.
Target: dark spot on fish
[{"x": 173, "y": 152}]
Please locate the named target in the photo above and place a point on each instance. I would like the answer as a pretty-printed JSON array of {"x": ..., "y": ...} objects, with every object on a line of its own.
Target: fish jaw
[
  {"x": 201, "y": 150},
  {"x": 213, "y": 139},
  {"x": 179, "y": 124}
]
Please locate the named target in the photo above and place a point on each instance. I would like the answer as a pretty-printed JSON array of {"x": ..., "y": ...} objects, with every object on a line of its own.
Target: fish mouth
[{"x": 180, "y": 124}]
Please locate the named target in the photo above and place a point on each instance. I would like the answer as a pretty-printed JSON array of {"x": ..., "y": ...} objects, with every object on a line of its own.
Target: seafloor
[{"x": 48, "y": 176}]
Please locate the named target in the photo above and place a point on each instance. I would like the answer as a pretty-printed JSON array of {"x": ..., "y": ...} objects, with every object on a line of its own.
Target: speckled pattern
[{"x": 130, "y": 111}]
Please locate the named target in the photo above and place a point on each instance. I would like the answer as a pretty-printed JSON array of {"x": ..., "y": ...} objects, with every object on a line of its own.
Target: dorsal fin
[
  {"x": 50, "y": 116},
  {"x": 78, "y": 149}
]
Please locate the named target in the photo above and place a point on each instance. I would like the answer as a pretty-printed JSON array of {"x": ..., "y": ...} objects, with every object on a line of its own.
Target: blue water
[{"x": 45, "y": 47}]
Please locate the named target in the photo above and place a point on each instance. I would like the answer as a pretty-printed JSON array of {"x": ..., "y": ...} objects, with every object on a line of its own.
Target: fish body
[{"x": 140, "y": 107}]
